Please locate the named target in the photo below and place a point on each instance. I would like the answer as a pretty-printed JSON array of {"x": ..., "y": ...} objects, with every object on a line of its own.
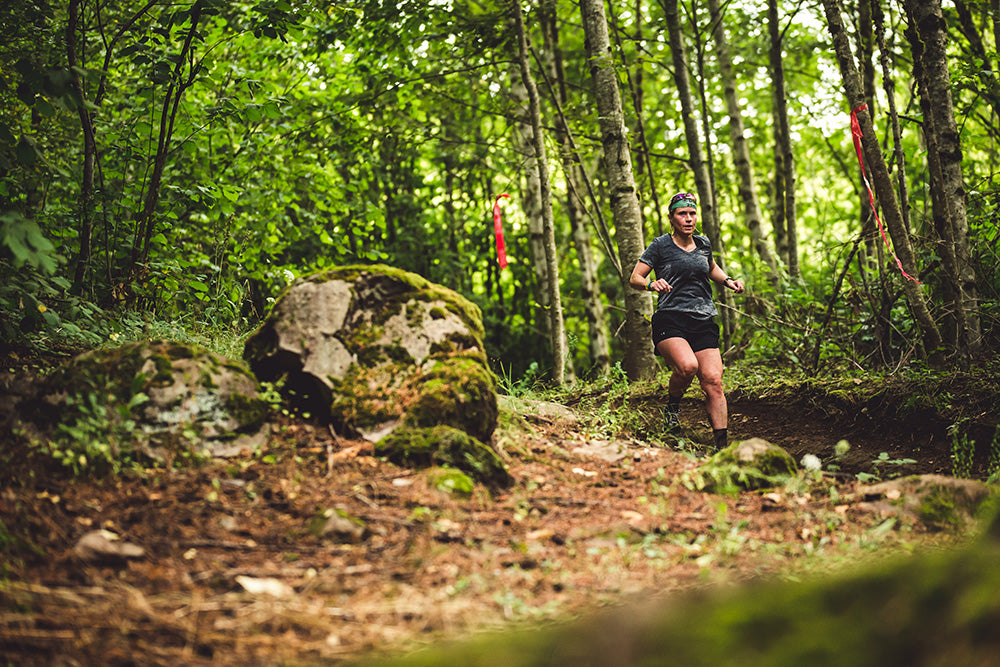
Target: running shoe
[{"x": 672, "y": 419}]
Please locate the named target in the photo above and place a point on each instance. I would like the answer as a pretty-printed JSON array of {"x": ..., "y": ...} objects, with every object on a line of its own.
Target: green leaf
[
  {"x": 27, "y": 153},
  {"x": 45, "y": 109},
  {"x": 198, "y": 285},
  {"x": 137, "y": 399},
  {"x": 51, "y": 318}
]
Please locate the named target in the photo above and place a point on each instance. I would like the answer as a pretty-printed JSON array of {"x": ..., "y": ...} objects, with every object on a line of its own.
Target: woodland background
[{"x": 169, "y": 167}]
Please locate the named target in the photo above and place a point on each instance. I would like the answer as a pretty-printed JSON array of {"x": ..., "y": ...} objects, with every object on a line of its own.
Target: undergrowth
[{"x": 95, "y": 328}]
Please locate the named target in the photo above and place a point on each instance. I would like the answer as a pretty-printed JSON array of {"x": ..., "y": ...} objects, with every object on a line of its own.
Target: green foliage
[
  {"x": 608, "y": 415},
  {"x": 528, "y": 383},
  {"x": 23, "y": 244},
  {"x": 883, "y": 460},
  {"x": 993, "y": 465},
  {"x": 237, "y": 146},
  {"x": 97, "y": 435},
  {"x": 963, "y": 453}
]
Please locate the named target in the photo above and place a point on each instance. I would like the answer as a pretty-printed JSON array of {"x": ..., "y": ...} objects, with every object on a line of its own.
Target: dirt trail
[{"x": 575, "y": 531}]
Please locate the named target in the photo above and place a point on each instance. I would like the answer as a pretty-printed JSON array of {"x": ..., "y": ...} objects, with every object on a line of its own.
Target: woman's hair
[{"x": 682, "y": 200}]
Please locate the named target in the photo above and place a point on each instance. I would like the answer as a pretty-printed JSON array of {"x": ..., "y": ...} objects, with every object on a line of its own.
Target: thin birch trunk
[
  {"x": 639, "y": 361},
  {"x": 784, "y": 202},
  {"x": 84, "y": 254},
  {"x": 699, "y": 167},
  {"x": 928, "y": 39},
  {"x": 557, "y": 333},
  {"x": 531, "y": 198},
  {"x": 741, "y": 152},
  {"x": 590, "y": 292},
  {"x": 883, "y": 183},
  {"x": 644, "y": 155},
  {"x": 889, "y": 86}
]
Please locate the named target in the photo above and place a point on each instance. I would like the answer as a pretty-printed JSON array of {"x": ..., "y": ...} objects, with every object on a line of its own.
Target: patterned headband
[{"x": 682, "y": 200}]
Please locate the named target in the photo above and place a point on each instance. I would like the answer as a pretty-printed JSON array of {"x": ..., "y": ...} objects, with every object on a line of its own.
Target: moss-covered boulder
[
  {"x": 444, "y": 445},
  {"x": 373, "y": 348},
  {"x": 747, "y": 465},
  {"x": 154, "y": 400},
  {"x": 939, "y": 502}
]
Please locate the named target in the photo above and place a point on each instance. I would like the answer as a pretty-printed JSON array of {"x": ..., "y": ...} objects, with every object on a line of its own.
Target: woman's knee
[
  {"x": 686, "y": 370},
  {"x": 711, "y": 383}
]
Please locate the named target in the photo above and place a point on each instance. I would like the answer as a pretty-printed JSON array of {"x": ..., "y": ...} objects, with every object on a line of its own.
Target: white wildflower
[{"x": 811, "y": 462}]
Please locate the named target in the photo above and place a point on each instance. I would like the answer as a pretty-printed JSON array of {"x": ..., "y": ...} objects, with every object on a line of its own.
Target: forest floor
[{"x": 235, "y": 572}]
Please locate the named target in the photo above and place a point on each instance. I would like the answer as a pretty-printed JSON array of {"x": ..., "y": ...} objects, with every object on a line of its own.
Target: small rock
[
  {"x": 265, "y": 586},
  {"x": 338, "y": 525},
  {"x": 607, "y": 450},
  {"x": 104, "y": 546}
]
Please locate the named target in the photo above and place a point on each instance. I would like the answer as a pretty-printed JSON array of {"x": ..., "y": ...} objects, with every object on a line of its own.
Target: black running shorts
[{"x": 700, "y": 334}]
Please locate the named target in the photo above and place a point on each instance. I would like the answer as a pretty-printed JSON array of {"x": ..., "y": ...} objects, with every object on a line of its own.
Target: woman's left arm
[{"x": 717, "y": 275}]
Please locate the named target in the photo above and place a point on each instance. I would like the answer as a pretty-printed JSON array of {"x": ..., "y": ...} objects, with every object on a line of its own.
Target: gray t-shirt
[{"x": 687, "y": 273}]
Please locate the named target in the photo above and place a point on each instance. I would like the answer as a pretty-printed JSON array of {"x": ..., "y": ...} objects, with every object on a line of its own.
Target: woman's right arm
[{"x": 640, "y": 279}]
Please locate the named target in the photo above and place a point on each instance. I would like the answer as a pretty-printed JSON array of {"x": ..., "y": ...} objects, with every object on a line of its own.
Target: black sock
[{"x": 721, "y": 437}]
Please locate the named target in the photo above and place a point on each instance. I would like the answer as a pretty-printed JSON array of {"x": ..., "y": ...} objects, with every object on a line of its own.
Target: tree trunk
[
  {"x": 741, "y": 152},
  {"x": 889, "y": 85},
  {"x": 590, "y": 292},
  {"x": 928, "y": 41},
  {"x": 699, "y": 167},
  {"x": 644, "y": 157},
  {"x": 168, "y": 113},
  {"x": 883, "y": 183},
  {"x": 784, "y": 196},
  {"x": 85, "y": 230},
  {"x": 531, "y": 198},
  {"x": 557, "y": 333},
  {"x": 639, "y": 360}
]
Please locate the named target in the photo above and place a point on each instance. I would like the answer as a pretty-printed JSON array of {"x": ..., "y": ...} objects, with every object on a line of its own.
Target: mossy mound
[
  {"x": 154, "y": 401},
  {"x": 747, "y": 465},
  {"x": 451, "y": 480},
  {"x": 444, "y": 446},
  {"x": 937, "y": 501}
]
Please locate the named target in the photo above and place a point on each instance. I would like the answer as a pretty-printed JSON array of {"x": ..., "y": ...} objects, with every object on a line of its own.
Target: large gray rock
[{"x": 373, "y": 349}]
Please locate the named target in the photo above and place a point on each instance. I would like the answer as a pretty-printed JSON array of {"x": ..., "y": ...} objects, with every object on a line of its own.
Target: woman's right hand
[{"x": 659, "y": 285}]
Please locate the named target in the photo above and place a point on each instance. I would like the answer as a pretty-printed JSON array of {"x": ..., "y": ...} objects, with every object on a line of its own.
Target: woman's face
[{"x": 684, "y": 220}]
